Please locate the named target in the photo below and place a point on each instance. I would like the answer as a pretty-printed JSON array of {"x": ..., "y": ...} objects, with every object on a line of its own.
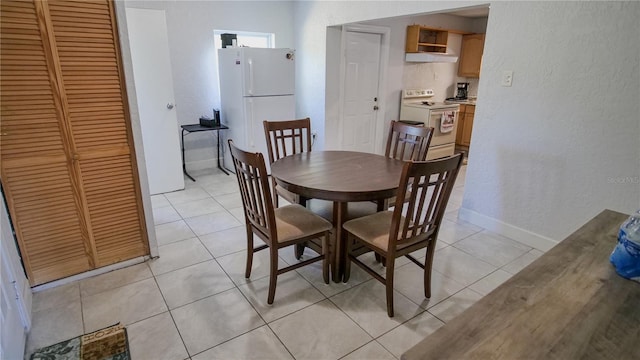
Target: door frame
[
  {"x": 384, "y": 33},
  {"x": 18, "y": 288}
]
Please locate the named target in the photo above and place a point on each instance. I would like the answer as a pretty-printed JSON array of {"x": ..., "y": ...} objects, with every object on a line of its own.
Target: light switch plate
[{"x": 507, "y": 78}]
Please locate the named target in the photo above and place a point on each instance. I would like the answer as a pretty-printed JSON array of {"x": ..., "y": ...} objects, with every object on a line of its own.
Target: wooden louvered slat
[
  {"x": 92, "y": 70},
  {"x": 26, "y": 94},
  {"x": 46, "y": 220},
  {"x": 113, "y": 209}
]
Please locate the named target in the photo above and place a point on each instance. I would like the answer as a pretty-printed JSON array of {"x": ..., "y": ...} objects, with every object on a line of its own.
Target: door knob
[{"x": 170, "y": 106}]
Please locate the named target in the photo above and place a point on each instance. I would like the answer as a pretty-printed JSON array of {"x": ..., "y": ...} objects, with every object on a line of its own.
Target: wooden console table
[
  {"x": 568, "y": 304},
  {"x": 198, "y": 128}
]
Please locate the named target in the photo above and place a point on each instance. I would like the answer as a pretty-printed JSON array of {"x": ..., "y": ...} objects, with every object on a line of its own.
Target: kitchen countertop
[
  {"x": 461, "y": 102},
  {"x": 568, "y": 304}
]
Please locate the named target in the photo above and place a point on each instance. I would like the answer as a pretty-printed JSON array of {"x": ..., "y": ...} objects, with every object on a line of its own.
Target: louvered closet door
[
  {"x": 86, "y": 40},
  {"x": 68, "y": 167},
  {"x": 36, "y": 167}
]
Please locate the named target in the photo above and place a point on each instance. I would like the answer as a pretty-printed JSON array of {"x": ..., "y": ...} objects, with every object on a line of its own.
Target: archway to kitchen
[{"x": 441, "y": 77}]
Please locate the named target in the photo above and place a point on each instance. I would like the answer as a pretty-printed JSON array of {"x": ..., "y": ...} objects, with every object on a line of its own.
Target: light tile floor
[{"x": 194, "y": 302}]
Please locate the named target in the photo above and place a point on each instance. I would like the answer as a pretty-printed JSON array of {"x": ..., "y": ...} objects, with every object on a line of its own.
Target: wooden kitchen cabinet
[
  {"x": 471, "y": 55},
  {"x": 424, "y": 39},
  {"x": 68, "y": 165},
  {"x": 465, "y": 125}
]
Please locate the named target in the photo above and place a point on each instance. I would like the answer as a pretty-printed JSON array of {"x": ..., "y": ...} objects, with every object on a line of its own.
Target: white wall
[
  {"x": 560, "y": 145},
  {"x": 190, "y": 26},
  {"x": 563, "y": 143}
]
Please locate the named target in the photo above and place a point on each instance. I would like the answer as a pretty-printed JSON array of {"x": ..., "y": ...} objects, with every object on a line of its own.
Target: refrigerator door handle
[
  {"x": 250, "y": 62},
  {"x": 251, "y": 124}
]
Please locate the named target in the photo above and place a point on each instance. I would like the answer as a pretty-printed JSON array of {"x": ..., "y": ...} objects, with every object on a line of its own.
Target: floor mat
[{"x": 110, "y": 343}]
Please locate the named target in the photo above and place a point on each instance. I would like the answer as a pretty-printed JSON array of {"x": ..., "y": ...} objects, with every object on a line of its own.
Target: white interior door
[
  {"x": 361, "y": 77},
  {"x": 154, "y": 91}
]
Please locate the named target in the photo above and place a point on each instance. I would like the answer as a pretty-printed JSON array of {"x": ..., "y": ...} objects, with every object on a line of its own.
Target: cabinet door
[
  {"x": 471, "y": 55},
  {"x": 459, "y": 129},
  {"x": 37, "y": 171},
  {"x": 468, "y": 128}
]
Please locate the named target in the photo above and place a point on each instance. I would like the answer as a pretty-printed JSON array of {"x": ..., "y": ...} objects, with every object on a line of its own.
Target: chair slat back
[
  {"x": 287, "y": 137},
  {"x": 423, "y": 195},
  {"x": 408, "y": 142},
  {"x": 254, "y": 188}
]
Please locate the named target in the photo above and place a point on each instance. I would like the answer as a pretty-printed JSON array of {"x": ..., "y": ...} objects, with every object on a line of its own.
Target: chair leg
[
  {"x": 347, "y": 264},
  {"x": 325, "y": 261},
  {"x": 389, "y": 285},
  {"x": 274, "y": 192},
  {"x": 247, "y": 271},
  {"x": 273, "y": 273},
  {"x": 378, "y": 257},
  {"x": 299, "y": 250},
  {"x": 428, "y": 263}
]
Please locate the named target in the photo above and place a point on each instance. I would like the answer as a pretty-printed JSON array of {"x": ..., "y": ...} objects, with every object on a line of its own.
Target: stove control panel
[{"x": 417, "y": 93}]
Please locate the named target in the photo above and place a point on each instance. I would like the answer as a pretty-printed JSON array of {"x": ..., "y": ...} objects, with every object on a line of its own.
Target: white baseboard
[
  {"x": 202, "y": 165},
  {"x": 90, "y": 273},
  {"x": 526, "y": 237}
]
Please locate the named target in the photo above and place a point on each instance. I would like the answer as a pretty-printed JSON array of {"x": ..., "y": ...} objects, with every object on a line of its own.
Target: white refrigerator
[{"x": 256, "y": 84}]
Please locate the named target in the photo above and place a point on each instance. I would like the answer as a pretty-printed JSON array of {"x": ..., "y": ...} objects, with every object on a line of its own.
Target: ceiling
[{"x": 475, "y": 12}]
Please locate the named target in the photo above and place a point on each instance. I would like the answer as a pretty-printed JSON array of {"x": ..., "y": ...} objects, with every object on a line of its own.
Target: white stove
[
  {"x": 423, "y": 98},
  {"x": 417, "y": 105}
]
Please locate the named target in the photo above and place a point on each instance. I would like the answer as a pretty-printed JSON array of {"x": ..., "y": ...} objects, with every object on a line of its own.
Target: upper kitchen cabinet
[
  {"x": 471, "y": 55},
  {"x": 424, "y": 39}
]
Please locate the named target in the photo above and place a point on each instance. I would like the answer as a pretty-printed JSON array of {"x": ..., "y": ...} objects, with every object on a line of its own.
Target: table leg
[
  {"x": 299, "y": 248},
  {"x": 184, "y": 166},
  {"x": 218, "y": 148},
  {"x": 339, "y": 258}
]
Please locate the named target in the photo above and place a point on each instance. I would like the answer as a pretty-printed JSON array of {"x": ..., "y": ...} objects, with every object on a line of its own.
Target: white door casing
[
  {"x": 15, "y": 294},
  {"x": 150, "y": 58},
  {"x": 365, "y": 52}
]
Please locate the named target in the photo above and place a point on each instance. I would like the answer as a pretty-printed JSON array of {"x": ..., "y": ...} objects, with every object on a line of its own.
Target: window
[{"x": 246, "y": 38}]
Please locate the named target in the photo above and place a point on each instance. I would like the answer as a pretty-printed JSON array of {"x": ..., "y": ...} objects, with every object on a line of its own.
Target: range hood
[{"x": 432, "y": 57}]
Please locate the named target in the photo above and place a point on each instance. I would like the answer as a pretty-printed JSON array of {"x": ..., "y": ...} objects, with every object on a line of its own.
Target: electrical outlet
[
  {"x": 507, "y": 78},
  {"x": 313, "y": 135}
]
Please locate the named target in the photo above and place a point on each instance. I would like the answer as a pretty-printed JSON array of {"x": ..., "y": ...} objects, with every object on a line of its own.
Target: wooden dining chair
[
  {"x": 277, "y": 227},
  {"x": 412, "y": 225},
  {"x": 406, "y": 142},
  {"x": 286, "y": 138}
]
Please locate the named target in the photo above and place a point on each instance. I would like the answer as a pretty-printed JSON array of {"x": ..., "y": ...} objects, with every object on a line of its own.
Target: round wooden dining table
[{"x": 341, "y": 177}]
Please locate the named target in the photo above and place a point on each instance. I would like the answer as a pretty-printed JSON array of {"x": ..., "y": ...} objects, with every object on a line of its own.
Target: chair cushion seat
[
  {"x": 295, "y": 221},
  {"x": 374, "y": 229}
]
